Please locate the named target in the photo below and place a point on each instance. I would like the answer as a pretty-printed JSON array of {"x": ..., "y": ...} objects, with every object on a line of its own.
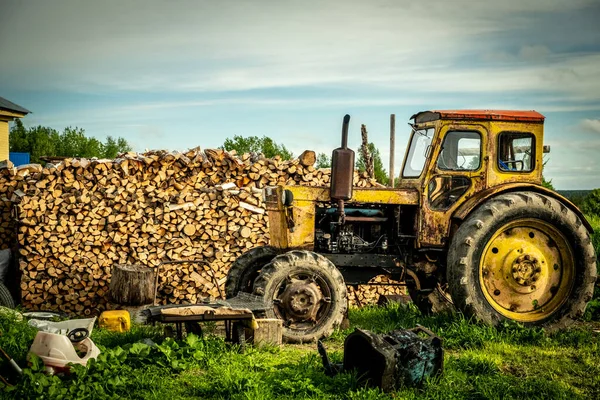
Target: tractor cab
[{"x": 454, "y": 156}]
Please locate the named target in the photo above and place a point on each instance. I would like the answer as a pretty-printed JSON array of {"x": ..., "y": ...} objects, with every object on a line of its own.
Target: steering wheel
[
  {"x": 511, "y": 165},
  {"x": 78, "y": 334}
]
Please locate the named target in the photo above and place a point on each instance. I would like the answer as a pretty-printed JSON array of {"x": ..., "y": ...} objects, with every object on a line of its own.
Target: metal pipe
[
  {"x": 345, "y": 131},
  {"x": 341, "y": 211},
  {"x": 392, "y": 147}
]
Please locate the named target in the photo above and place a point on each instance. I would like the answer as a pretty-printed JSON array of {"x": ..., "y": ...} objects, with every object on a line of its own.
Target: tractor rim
[
  {"x": 526, "y": 270},
  {"x": 302, "y": 300}
]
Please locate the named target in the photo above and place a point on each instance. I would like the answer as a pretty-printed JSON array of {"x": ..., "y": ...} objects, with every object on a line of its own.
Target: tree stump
[{"x": 132, "y": 285}]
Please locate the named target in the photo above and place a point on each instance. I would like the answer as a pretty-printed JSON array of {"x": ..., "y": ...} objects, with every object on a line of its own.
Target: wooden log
[
  {"x": 132, "y": 285},
  {"x": 308, "y": 158},
  {"x": 245, "y": 232}
]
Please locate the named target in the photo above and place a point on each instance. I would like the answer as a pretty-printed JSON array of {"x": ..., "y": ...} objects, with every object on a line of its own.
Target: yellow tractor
[{"x": 470, "y": 225}]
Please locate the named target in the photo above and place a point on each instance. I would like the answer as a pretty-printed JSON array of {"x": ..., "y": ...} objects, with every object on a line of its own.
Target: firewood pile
[{"x": 75, "y": 220}]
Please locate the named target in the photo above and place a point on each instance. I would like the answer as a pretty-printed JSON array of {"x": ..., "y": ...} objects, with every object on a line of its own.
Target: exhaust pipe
[
  {"x": 342, "y": 167},
  {"x": 342, "y": 171}
]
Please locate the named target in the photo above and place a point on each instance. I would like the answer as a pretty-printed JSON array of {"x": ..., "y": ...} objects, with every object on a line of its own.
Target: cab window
[
  {"x": 516, "y": 152},
  {"x": 461, "y": 151},
  {"x": 417, "y": 153}
]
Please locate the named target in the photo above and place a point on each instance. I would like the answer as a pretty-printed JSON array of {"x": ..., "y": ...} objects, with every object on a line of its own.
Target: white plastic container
[
  {"x": 57, "y": 351},
  {"x": 63, "y": 327}
]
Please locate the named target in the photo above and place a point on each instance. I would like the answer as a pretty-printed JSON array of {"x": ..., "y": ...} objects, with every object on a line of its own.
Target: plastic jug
[
  {"x": 115, "y": 320},
  {"x": 57, "y": 351}
]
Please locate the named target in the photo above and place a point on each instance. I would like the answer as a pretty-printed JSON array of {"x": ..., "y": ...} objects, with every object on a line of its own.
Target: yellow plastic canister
[{"x": 115, "y": 320}]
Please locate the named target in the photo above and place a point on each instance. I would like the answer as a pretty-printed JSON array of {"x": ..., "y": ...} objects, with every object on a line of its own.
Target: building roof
[
  {"x": 479, "y": 115},
  {"x": 10, "y": 106}
]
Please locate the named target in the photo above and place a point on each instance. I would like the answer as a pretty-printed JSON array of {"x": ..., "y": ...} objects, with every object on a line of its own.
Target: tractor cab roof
[{"x": 479, "y": 115}]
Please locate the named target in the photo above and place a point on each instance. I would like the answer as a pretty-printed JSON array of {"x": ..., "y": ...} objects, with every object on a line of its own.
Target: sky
[{"x": 180, "y": 74}]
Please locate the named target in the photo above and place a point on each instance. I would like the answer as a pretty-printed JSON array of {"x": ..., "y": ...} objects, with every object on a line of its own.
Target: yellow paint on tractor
[
  {"x": 526, "y": 270},
  {"x": 302, "y": 212}
]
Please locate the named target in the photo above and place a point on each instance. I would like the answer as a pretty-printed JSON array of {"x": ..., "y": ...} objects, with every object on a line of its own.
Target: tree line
[{"x": 42, "y": 141}]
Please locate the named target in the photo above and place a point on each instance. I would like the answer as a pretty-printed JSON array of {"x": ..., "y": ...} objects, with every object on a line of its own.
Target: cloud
[
  {"x": 534, "y": 53},
  {"x": 529, "y": 53},
  {"x": 197, "y": 47},
  {"x": 591, "y": 125},
  {"x": 188, "y": 65}
]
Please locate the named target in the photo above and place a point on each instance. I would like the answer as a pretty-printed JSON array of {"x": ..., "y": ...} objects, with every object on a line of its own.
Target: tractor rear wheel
[
  {"x": 524, "y": 257},
  {"x": 244, "y": 270},
  {"x": 307, "y": 292}
]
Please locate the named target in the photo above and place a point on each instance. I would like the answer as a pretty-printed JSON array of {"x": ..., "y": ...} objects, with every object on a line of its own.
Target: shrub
[{"x": 591, "y": 203}]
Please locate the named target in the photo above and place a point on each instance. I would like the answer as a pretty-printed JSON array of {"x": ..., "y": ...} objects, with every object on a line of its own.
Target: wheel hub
[
  {"x": 526, "y": 270},
  {"x": 301, "y": 300}
]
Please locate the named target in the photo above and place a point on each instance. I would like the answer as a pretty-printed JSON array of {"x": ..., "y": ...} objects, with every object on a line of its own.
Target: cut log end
[{"x": 132, "y": 285}]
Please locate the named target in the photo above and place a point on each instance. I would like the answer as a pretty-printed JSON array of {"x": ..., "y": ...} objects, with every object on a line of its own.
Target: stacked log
[
  {"x": 79, "y": 218},
  {"x": 369, "y": 294}
]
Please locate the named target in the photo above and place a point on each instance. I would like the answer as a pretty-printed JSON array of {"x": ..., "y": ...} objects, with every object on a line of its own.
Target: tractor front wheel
[
  {"x": 307, "y": 292},
  {"x": 524, "y": 257},
  {"x": 245, "y": 269}
]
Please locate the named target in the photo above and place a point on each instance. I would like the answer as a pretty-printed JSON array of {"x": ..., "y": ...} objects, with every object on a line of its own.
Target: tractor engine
[{"x": 363, "y": 230}]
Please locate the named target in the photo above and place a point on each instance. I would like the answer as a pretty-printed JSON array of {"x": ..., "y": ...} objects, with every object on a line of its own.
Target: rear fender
[{"x": 480, "y": 197}]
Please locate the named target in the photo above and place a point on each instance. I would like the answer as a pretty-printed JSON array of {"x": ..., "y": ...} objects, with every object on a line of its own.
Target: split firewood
[
  {"x": 79, "y": 219},
  {"x": 308, "y": 158}
]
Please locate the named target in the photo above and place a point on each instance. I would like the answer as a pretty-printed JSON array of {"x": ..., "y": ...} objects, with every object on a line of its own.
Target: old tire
[
  {"x": 244, "y": 270},
  {"x": 6, "y": 299},
  {"x": 307, "y": 292},
  {"x": 524, "y": 257}
]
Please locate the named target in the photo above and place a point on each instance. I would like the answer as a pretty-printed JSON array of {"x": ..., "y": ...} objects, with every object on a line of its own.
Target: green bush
[
  {"x": 591, "y": 203},
  {"x": 15, "y": 338}
]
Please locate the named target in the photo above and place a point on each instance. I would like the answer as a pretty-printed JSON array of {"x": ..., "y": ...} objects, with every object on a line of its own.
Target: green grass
[{"x": 480, "y": 363}]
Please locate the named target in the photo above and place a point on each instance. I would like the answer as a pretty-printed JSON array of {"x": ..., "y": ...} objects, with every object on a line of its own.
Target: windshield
[{"x": 417, "y": 153}]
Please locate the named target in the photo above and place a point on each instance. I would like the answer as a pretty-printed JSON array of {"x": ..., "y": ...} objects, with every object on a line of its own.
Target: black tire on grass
[
  {"x": 273, "y": 279},
  {"x": 479, "y": 228}
]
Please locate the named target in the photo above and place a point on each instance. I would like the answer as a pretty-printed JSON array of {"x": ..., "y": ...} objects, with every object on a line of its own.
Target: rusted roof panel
[{"x": 479, "y": 115}]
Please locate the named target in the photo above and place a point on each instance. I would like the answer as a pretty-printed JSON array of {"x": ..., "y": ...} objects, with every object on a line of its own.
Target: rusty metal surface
[
  {"x": 434, "y": 224},
  {"x": 390, "y": 361},
  {"x": 342, "y": 174},
  {"x": 342, "y": 168},
  {"x": 479, "y": 115}
]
